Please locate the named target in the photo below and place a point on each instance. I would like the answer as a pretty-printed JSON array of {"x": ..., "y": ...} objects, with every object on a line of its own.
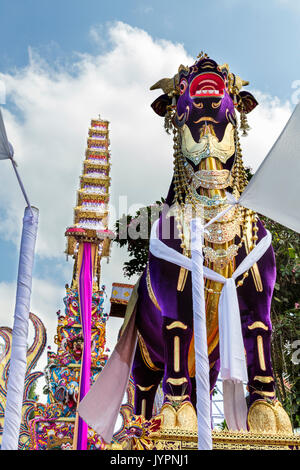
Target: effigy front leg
[
  {"x": 177, "y": 409},
  {"x": 177, "y": 337}
]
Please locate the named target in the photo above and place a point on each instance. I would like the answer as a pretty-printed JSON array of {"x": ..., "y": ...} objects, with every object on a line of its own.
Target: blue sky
[
  {"x": 261, "y": 37},
  {"x": 45, "y": 44}
]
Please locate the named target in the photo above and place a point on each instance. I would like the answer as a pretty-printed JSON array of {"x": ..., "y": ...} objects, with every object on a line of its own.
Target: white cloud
[
  {"x": 266, "y": 121},
  {"x": 46, "y": 299},
  {"x": 56, "y": 108}
]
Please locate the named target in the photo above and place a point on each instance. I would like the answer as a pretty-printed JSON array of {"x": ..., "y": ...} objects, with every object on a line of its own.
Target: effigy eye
[{"x": 183, "y": 86}]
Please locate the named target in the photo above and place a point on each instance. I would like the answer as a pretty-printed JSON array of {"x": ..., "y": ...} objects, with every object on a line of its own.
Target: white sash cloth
[{"x": 233, "y": 368}]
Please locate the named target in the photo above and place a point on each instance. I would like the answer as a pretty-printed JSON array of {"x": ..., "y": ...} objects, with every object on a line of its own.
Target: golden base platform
[{"x": 170, "y": 439}]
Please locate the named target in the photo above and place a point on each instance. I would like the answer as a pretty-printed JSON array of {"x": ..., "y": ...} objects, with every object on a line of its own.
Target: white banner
[
  {"x": 18, "y": 361},
  {"x": 274, "y": 189},
  {"x": 6, "y": 150}
]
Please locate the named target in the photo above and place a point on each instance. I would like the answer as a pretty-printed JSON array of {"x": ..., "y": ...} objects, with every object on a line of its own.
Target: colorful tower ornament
[
  {"x": 89, "y": 241},
  {"x": 81, "y": 353}
]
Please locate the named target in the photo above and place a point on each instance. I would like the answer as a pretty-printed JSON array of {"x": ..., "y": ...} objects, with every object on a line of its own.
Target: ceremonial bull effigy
[
  {"x": 207, "y": 163},
  {"x": 200, "y": 104}
]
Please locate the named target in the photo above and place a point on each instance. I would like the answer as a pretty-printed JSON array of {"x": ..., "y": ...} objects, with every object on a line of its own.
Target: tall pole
[
  {"x": 85, "y": 291},
  {"x": 18, "y": 361}
]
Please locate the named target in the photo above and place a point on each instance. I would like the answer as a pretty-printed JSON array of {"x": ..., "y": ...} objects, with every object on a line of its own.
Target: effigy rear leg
[
  {"x": 146, "y": 383},
  {"x": 265, "y": 411}
]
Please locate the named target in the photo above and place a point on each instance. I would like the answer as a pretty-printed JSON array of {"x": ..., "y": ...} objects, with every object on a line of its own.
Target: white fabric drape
[
  {"x": 200, "y": 338},
  {"x": 233, "y": 369},
  {"x": 18, "y": 361},
  {"x": 6, "y": 150},
  {"x": 274, "y": 189},
  {"x": 101, "y": 406}
]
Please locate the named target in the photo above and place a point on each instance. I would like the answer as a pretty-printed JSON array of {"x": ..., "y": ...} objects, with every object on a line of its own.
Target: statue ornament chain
[{"x": 190, "y": 204}]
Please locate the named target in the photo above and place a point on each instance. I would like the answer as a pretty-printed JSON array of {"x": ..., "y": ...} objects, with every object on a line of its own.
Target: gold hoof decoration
[
  {"x": 169, "y": 415},
  {"x": 269, "y": 417},
  {"x": 184, "y": 417}
]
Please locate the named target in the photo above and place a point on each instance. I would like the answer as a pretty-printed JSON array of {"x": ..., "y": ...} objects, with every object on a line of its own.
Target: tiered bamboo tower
[
  {"x": 91, "y": 212},
  {"x": 81, "y": 329}
]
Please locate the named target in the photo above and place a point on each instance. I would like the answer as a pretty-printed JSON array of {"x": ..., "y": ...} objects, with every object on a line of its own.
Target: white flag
[
  {"x": 274, "y": 189},
  {"x": 6, "y": 149}
]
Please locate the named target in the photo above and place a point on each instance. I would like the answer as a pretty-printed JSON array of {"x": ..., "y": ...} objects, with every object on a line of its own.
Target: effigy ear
[
  {"x": 247, "y": 102},
  {"x": 160, "y": 104}
]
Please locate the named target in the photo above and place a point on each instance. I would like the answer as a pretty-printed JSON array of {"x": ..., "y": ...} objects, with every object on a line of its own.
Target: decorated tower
[{"x": 80, "y": 339}]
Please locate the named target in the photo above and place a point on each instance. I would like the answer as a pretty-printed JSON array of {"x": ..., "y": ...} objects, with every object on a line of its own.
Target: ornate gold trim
[
  {"x": 261, "y": 355},
  {"x": 177, "y": 397},
  {"x": 265, "y": 380},
  {"x": 145, "y": 354},
  {"x": 176, "y": 354},
  {"x": 144, "y": 389},
  {"x": 176, "y": 324},
  {"x": 180, "y": 381},
  {"x": 180, "y": 439},
  {"x": 182, "y": 279},
  {"x": 269, "y": 417},
  {"x": 143, "y": 407},
  {"x": 120, "y": 284},
  {"x": 150, "y": 290},
  {"x": 249, "y": 245},
  {"x": 265, "y": 394},
  {"x": 258, "y": 324}
]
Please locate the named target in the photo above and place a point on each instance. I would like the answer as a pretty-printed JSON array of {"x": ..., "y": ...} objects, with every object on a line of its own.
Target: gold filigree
[
  {"x": 180, "y": 381},
  {"x": 169, "y": 436},
  {"x": 143, "y": 407},
  {"x": 220, "y": 257},
  {"x": 249, "y": 226},
  {"x": 169, "y": 416},
  {"x": 183, "y": 418},
  {"x": 145, "y": 354},
  {"x": 176, "y": 398},
  {"x": 208, "y": 146},
  {"x": 265, "y": 394},
  {"x": 176, "y": 354},
  {"x": 176, "y": 324},
  {"x": 222, "y": 233},
  {"x": 198, "y": 105},
  {"x": 268, "y": 417},
  {"x": 186, "y": 417},
  {"x": 206, "y": 119},
  {"x": 216, "y": 105},
  {"x": 182, "y": 277},
  {"x": 208, "y": 179},
  {"x": 261, "y": 354},
  {"x": 150, "y": 290},
  {"x": 144, "y": 389},
  {"x": 258, "y": 324},
  {"x": 265, "y": 380}
]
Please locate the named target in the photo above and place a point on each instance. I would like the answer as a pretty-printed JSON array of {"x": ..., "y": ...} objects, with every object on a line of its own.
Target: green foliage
[
  {"x": 285, "y": 314},
  {"x": 133, "y": 232},
  {"x": 32, "y": 392},
  {"x": 222, "y": 426}
]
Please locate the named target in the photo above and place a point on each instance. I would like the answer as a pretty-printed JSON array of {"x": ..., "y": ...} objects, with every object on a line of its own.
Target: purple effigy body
[{"x": 204, "y": 99}]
